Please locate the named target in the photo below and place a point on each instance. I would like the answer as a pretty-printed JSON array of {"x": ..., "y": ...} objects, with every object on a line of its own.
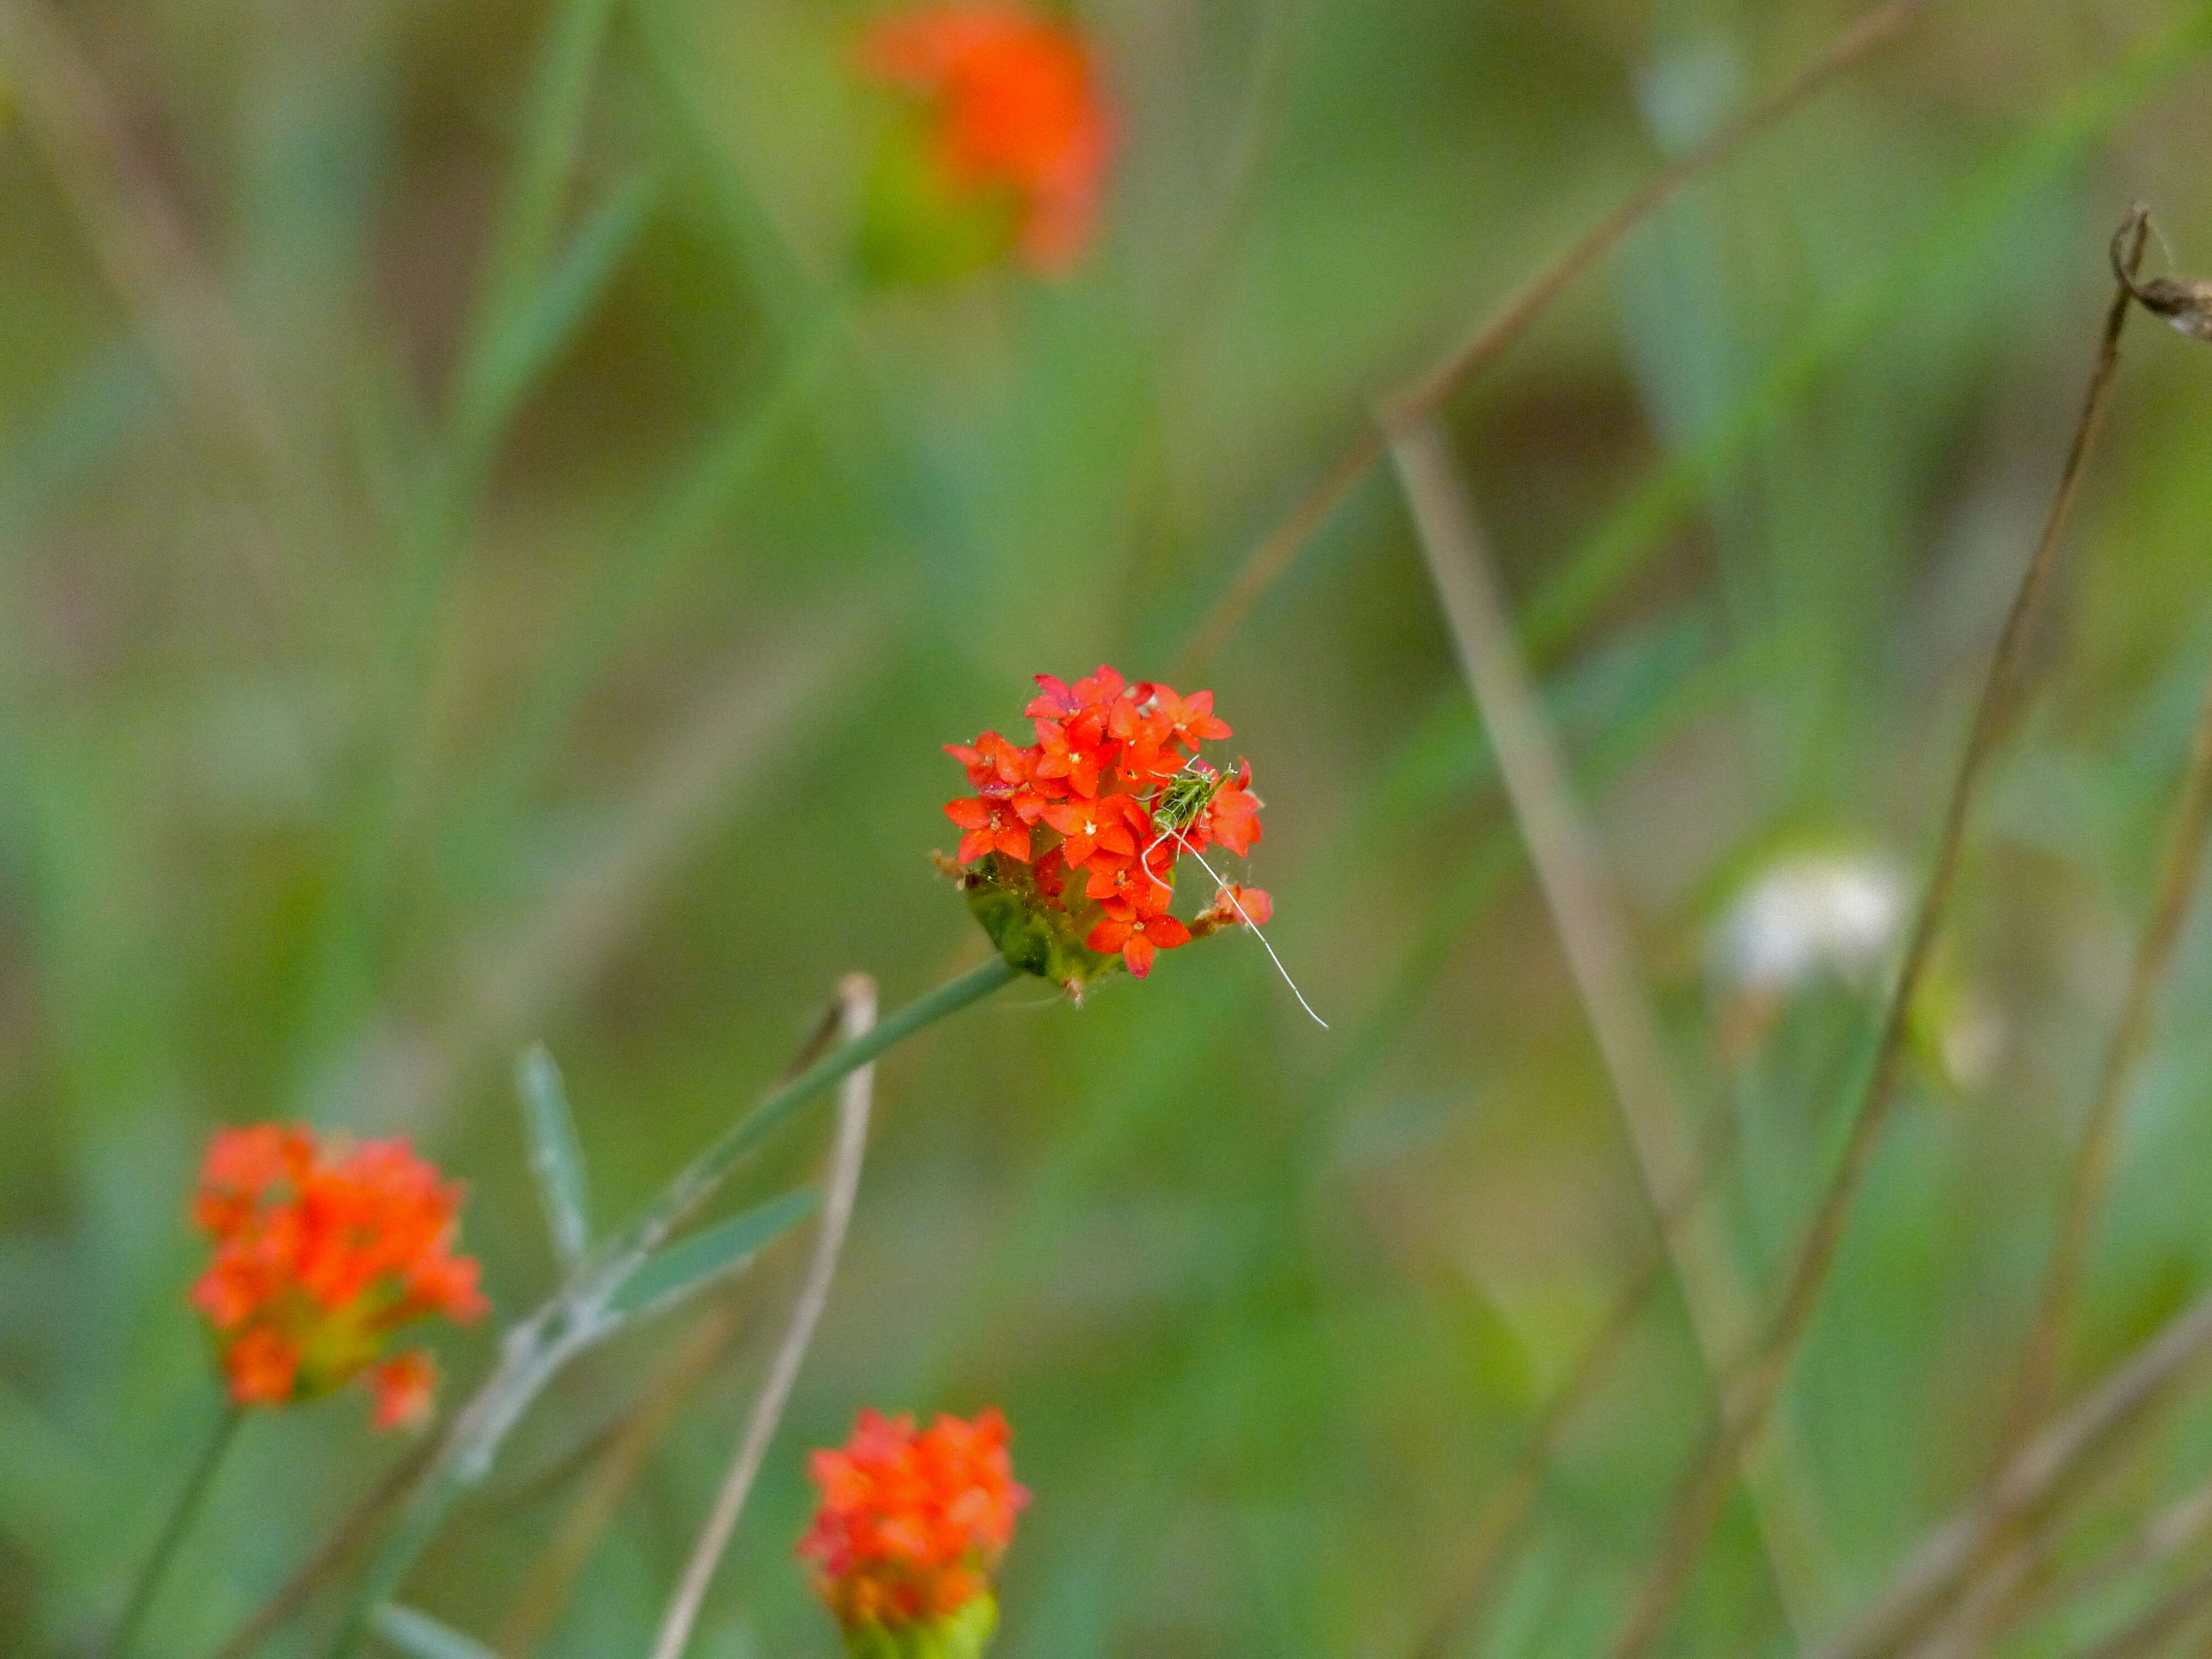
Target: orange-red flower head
[
  {"x": 1114, "y": 788},
  {"x": 1011, "y": 109},
  {"x": 911, "y": 1524},
  {"x": 322, "y": 1251}
]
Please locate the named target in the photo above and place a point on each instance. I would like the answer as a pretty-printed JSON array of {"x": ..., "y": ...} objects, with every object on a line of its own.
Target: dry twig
[
  {"x": 1967, "y": 1632},
  {"x": 2158, "y": 1625},
  {"x": 1699, "y": 1508},
  {"x": 621, "y": 1460},
  {"x": 2180, "y": 1526},
  {"x": 2091, "y": 1172},
  {"x": 1588, "y": 914},
  {"x": 857, "y": 996},
  {"x": 140, "y": 241},
  {"x": 2024, "y": 1488},
  {"x": 1505, "y": 1512},
  {"x": 1504, "y": 326},
  {"x": 346, "y": 1541}
]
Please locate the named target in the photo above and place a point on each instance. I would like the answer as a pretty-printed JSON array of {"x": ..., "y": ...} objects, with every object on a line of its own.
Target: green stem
[
  {"x": 529, "y": 224},
  {"x": 534, "y": 1351},
  {"x": 490, "y": 380},
  {"x": 707, "y": 1170},
  {"x": 173, "y": 1533}
]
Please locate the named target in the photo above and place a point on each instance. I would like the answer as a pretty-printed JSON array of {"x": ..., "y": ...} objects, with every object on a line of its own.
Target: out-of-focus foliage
[{"x": 480, "y": 566}]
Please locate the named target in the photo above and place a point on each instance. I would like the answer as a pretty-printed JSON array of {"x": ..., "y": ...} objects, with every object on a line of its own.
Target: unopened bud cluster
[{"x": 909, "y": 1531}]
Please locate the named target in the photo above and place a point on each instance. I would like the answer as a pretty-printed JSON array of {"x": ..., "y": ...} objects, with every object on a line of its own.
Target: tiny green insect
[{"x": 1183, "y": 800}]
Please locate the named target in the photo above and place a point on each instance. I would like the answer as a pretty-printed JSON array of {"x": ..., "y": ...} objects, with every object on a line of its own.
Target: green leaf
[
  {"x": 579, "y": 275},
  {"x": 534, "y": 330},
  {"x": 556, "y": 1157},
  {"x": 421, "y": 1637},
  {"x": 712, "y": 1254}
]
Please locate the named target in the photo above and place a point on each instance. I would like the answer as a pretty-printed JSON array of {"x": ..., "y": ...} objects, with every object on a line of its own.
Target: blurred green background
[{"x": 475, "y": 566}]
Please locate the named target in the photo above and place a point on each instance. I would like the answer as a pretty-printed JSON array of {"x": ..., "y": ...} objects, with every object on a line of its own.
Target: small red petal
[
  {"x": 1258, "y": 908},
  {"x": 403, "y": 1386}
]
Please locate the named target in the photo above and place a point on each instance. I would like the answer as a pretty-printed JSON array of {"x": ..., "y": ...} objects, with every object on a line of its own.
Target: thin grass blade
[
  {"x": 710, "y": 1256},
  {"x": 528, "y": 339},
  {"x": 419, "y": 1635},
  {"x": 556, "y": 1158}
]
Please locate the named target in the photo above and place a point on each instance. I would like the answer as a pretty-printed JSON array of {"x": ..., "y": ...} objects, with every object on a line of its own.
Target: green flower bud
[
  {"x": 961, "y": 1635},
  {"x": 1035, "y": 934}
]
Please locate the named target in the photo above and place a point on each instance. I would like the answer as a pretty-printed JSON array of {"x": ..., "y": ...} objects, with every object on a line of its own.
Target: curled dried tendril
[{"x": 2186, "y": 304}]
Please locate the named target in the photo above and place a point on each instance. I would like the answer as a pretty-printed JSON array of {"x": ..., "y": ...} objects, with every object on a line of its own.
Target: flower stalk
[
  {"x": 857, "y": 998},
  {"x": 581, "y": 1312},
  {"x": 189, "y": 1503}
]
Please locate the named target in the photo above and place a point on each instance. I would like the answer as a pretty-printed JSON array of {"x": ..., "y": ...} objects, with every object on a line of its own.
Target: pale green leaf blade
[
  {"x": 711, "y": 1254},
  {"x": 541, "y": 324},
  {"x": 419, "y": 1635},
  {"x": 556, "y": 1156}
]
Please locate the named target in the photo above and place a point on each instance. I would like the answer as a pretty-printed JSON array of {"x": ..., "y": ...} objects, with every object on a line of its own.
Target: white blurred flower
[
  {"x": 1974, "y": 1041},
  {"x": 1809, "y": 913}
]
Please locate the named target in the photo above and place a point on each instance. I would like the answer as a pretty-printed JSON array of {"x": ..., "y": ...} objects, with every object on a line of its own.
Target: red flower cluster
[
  {"x": 912, "y": 1525},
  {"x": 321, "y": 1252},
  {"x": 1012, "y": 106},
  {"x": 1113, "y": 790}
]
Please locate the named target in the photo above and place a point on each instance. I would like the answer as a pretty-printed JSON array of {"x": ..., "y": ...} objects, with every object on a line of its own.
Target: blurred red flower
[
  {"x": 1013, "y": 104},
  {"x": 912, "y": 1525},
  {"x": 322, "y": 1251}
]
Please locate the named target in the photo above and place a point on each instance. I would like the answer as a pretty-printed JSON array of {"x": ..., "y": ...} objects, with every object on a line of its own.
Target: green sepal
[
  {"x": 920, "y": 226},
  {"x": 962, "y": 1635},
  {"x": 1035, "y": 934}
]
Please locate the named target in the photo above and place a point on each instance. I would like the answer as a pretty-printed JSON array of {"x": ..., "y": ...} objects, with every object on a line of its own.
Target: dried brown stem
[
  {"x": 857, "y": 1000},
  {"x": 2012, "y": 1595},
  {"x": 2176, "y": 1528},
  {"x": 2184, "y": 305},
  {"x": 2153, "y": 1631},
  {"x": 2091, "y": 1175},
  {"x": 1505, "y": 325},
  {"x": 136, "y": 235},
  {"x": 2024, "y": 1488},
  {"x": 622, "y": 1453},
  {"x": 1991, "y": 1586},
  {"x": 1505, "y": 1513},
  {"x": 351, "y": 1535},
  {"x": 1699, "y": 1508},
  {"x": 1966, "y": 1633},
  {"x": 1590, "y": 917},
  {"x": 620, "y": 1460}
]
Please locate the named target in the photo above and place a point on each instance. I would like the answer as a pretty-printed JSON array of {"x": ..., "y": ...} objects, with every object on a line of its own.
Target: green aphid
[
  {"x": 1185, "y": 797},
  {"x": 1183, "y": 801}
]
